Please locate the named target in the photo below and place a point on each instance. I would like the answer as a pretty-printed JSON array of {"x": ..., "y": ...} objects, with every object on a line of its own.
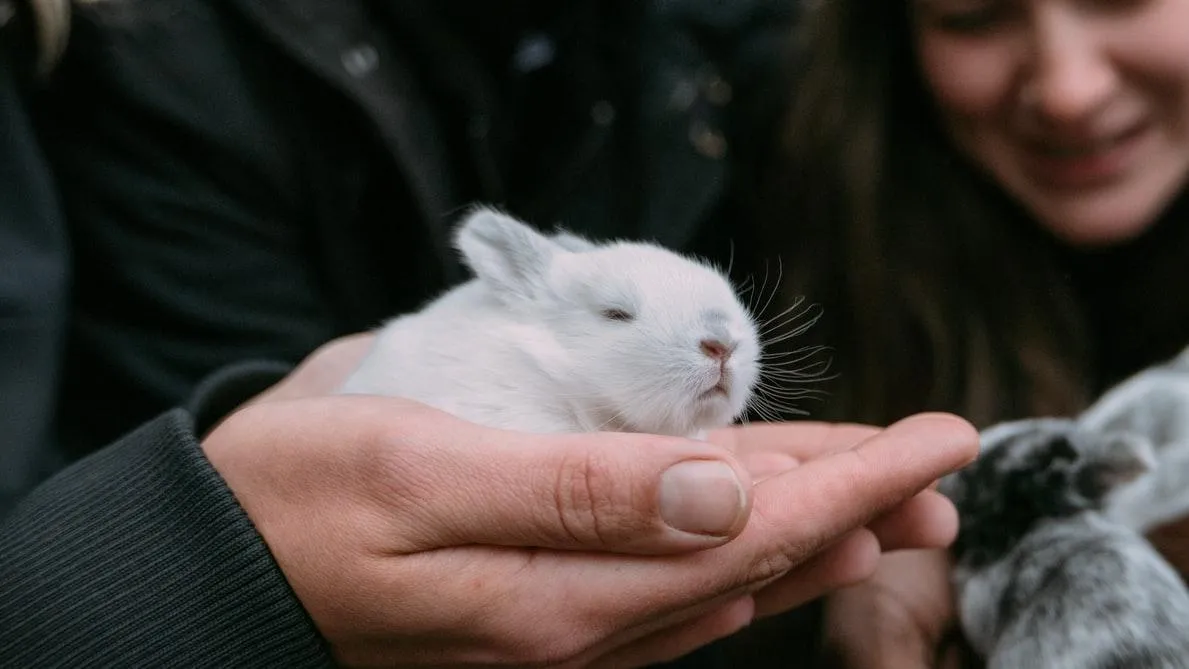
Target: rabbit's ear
[
  {"x": 572, "y": 242},
  {"x": 1111, "y": 460},
  {"x": 506, "y": 254}
]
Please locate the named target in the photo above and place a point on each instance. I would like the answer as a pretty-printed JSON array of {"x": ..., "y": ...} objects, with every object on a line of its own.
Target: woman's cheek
[{"x": 966, "y": 77}]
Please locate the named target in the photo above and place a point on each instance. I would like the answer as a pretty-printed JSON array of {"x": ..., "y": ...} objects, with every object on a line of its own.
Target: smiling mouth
[
  {"x": 1062, "y": 150},
  {"x": 1076, "y": 167}
]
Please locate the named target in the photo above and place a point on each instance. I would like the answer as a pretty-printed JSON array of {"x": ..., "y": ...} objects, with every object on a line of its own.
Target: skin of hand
[
  {"x": 322, "y": 371},
  {"x": 903, "y": 617},
  {"x": 416, "y": 539}
]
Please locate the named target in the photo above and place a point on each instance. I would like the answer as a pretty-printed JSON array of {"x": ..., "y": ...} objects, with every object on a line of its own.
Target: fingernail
[{"x": 701, "y": 497}]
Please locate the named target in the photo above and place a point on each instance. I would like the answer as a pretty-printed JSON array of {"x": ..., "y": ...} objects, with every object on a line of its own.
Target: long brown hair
[{"x": 937, "y": 292}]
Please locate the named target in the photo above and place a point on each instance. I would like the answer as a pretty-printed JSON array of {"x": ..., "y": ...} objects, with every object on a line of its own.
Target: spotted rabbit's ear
[
  {"x": 508, "y": 255},
  {"x": 1110, "y": 460}
]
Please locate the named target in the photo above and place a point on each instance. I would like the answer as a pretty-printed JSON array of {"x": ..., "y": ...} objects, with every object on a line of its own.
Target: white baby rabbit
[{"x": 559, "y": 334}]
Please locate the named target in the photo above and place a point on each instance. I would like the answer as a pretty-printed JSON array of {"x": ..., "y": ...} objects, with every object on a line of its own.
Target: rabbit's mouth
[
  {"x": 722, "y": 386},
  {"x": 719, "y": 392}
]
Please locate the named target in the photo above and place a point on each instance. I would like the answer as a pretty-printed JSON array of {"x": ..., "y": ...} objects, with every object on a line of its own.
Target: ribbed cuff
[
  {"x": 139, "y": 555},
  {"x": 226, "y": 389}
]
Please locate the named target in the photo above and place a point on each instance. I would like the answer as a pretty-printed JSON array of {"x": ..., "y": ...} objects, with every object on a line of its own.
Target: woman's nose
[{"x": 1072, "y": 75}]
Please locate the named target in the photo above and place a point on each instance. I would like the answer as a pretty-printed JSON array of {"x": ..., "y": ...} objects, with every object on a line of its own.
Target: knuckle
[
  {"x": 770, "y": 566},
  {"x": 594, "y": 500},
  {"x": 781, "y": 553}
]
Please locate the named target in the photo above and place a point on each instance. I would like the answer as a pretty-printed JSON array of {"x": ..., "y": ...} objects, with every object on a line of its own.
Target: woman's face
[{"x": 1079, "y": 108}]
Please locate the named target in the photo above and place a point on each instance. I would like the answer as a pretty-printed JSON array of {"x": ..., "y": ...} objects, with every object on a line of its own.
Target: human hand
[
  {"x": 764, "y": 449},
  {"x": 416, "y": 539},
  {"x": 927, "y": 520},
  {"x": 322, "y": 371},
  {"x": 903, "y": 617}
]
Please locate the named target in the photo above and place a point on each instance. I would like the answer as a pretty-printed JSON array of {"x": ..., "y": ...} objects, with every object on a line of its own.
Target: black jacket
[
  {"x": 34, "y": 272},
  {"x": 245, "y": 179}
]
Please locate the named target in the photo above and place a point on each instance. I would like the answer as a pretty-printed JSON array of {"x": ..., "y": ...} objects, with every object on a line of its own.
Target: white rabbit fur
[{"x": 556, "y": 333}]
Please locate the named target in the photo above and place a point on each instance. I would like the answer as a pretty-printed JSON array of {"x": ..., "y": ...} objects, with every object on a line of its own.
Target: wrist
[{"x": 228, "y": 388}]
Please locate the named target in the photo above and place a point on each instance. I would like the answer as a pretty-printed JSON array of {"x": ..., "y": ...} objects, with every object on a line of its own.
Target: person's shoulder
[{"x": 176, "y": 57}]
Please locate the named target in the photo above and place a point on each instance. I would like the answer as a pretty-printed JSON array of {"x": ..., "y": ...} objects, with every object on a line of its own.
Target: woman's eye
[
  {"x": 613, "y": 314},
  {"x": 964, "y": 17},
  {"x": 974, "y": 21}
]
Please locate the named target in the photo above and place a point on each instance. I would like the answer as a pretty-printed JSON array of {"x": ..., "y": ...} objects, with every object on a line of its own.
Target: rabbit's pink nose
[{"x": 716, "y": 349}]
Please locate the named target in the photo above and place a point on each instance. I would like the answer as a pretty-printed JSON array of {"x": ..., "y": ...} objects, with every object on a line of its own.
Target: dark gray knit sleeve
[
  {"x": 140, "y": 556},
  {"x": 225, "y": 390}
]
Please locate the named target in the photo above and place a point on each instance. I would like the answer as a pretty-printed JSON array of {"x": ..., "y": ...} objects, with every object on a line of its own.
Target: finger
[
  {"x": 928, "y": 520},
  {"x": 626, "y": 493},
  {"x": 796, "y": 513},
  {"x": 799, "y": 439},
  {"x": 765, "y": 465},
  {"x": 851, "y": 560},
  {"x": 670, "y": 644}
]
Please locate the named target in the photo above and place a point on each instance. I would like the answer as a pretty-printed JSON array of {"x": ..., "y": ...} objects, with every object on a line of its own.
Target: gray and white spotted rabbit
[{"x": 1044, "y": 578}]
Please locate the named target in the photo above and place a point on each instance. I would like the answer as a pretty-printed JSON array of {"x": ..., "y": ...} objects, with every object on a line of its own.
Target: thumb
[{"x": 628, "y": 493}]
